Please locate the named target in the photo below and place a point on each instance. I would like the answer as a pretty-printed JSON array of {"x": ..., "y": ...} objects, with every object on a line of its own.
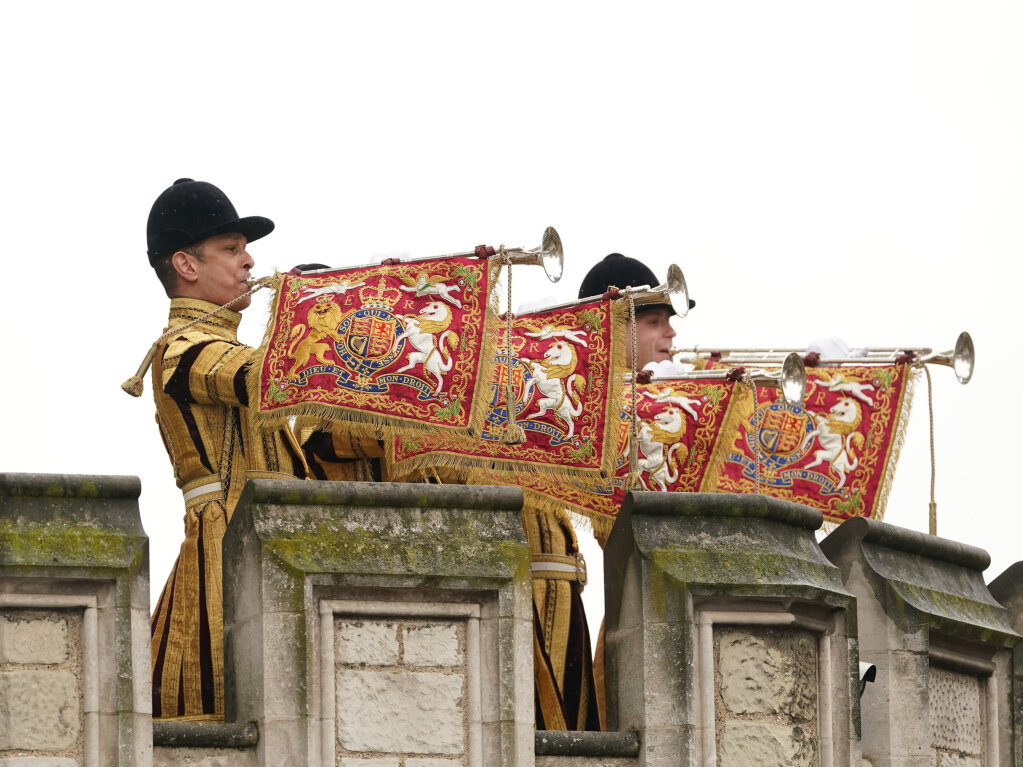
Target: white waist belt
[
  {"x": 212, "y": 487},
  {"x": 559, "y": 567}
]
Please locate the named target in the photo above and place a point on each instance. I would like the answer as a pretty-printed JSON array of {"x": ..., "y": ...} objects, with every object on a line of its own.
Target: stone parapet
[
  {"x": 940, "y": 642},
  {"x": 1007, "y": 588},
  {"x": 74, "y": 621},
  {"x": 380, "y": 623},
  {"x": 729, "y": 636}
]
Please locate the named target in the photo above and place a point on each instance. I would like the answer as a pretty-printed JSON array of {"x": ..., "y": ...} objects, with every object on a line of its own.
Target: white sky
[{"x": 816, "y": 169}]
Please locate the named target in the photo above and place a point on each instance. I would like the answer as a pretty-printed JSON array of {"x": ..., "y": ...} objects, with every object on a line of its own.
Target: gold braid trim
[
  {"x": 901, "y": 422},
  {"x": 741, "y": 408}
]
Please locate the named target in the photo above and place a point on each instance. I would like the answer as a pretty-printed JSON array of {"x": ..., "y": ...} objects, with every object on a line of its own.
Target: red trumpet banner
[
  {"x": 387, "y": 348},
  {"x": 685, "y": 427},
  {"x": 564, "y": 366},
  {"x": 837, "y": 453}
]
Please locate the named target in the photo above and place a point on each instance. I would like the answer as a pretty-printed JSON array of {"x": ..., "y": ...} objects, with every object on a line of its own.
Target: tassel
[
  {"x": 513, "y": 434},
  {"x": 134, "y": 385}
]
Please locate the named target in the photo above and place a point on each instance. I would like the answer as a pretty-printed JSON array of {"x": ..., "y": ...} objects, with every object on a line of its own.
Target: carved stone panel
[
  {"x": 957, "y": 718},
  {"x": 766, "y": 696}
]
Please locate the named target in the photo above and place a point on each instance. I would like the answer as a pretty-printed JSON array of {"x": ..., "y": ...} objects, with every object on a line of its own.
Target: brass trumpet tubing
[
  {"x": 961, "y": 359},
  {"x": 759, "y": 377},
  {"x": 771, "y": 356},
  {"x": 377, "y": 263},
  {"x": 645, "y": 299},
  {"x": 467, "y": 254},
  {"x": 790, "y": 377},
  {"x": 550, "y": 249},
  {"x": 641, "y": 295}
]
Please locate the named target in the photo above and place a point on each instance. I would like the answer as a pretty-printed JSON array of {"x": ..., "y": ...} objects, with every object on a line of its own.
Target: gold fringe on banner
[
  {"x": 601, "y": 524},
  {"x": 891, "y": 461}
]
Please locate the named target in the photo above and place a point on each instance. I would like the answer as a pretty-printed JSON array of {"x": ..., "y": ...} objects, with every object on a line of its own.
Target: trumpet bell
[
  {"x": 552, "y": 254},
  {"x": 963, "y": 358},
  {"x": 793, "y": 379},
  {"x": 678, "y": 292}
]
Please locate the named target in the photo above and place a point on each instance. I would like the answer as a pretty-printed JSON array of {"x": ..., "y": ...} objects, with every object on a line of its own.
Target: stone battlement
[{"x": 389, "y": 625}]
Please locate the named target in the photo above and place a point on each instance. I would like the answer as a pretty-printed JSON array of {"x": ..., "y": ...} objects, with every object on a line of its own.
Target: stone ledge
[
  {"x": 69, "y": 486},
  {"x": 204, "y": 734},
  {"x": 734, "y": 505},
  {"x": 375, "y": 494},
  {"x": 908, "y": 542},
  {"x": 574, "y": 743}
]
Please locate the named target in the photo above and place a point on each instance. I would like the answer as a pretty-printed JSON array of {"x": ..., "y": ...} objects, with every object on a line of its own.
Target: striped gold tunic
[
  {"x": 563, "y": 681},
  {"x": 201, "y": 398}
]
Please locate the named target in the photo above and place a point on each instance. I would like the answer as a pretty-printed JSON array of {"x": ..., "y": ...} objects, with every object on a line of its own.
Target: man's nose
[{"x": 249, "y": 262}]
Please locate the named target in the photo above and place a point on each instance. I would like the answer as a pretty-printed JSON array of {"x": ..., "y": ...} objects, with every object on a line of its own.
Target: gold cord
[
  {"x": 513, "y": 434},
  {"x": 747, "y": 379},
  {"x": 633, "y": 481},
  {"x": 134, "y": 385},
  {"x": 933, "y": 507}
]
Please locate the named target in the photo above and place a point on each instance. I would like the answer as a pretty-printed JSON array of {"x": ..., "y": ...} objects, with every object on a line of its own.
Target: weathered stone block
[
  {"x": 38, "y": 761},
  {"x": 32, "y": 640},
  {"x": 426, "y": 761},
  {"x": 957, "y": 760},
  {"x": 367, "y": 572},
  {"x": 204, "y": 757},
  {"x": 39, "y": 710},
  {"x": 432, "y": 644},
  {"x": 74, "y": 588},
  {"x": 388, "y": 761},
  {"x": 765, "y": 744},
  {"x": 765, "y": 671},
  {"x": 956, "y": 706},
  {"x": 366, "y": 643},
  {"x": 419, "y": 712}
]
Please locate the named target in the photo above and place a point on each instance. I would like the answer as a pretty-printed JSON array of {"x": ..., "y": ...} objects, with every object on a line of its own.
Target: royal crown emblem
[{"x": 380, "y": 297}]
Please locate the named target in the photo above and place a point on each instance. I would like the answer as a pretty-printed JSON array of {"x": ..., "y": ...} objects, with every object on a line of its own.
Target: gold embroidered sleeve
[{"x": 207, "y": 370}]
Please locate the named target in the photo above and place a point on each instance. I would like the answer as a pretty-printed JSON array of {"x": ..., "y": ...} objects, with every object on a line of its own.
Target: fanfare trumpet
[
  {"x": 790, "y": 378},
  {"x": 673, "y": 291},
  {"x": 961, "y": 358},
  {"x": 549, "y": 254}
]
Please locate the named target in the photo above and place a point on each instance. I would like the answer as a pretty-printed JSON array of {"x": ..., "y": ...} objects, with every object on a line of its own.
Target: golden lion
[{"x": 323, "y": 320}]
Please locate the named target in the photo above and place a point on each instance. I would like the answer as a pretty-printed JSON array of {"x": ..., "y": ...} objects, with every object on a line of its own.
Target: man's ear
[{"x": 185, "y": 266}]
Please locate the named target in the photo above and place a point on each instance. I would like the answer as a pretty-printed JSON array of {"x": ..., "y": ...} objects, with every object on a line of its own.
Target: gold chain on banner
[
  {"x": 757, "y": 452},
  {"x": 513, "y": 434},
  {"x": 933, "y": 507},
  {"x": 633, "y": 480}
]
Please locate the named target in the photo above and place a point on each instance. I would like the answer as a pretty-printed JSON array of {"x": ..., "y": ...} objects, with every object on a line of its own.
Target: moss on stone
[
  {"x": 409, "y": 547},
  {"x": 693, "y": 564},
  {"x": 986, "y": 622},
  {"x": 66, "y": 544}
]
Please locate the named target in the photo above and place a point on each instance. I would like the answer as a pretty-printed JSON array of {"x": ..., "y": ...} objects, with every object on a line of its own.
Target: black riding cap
[
  {"x": 622, "y": 272},
  {"x": 190, "y": 211}
]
